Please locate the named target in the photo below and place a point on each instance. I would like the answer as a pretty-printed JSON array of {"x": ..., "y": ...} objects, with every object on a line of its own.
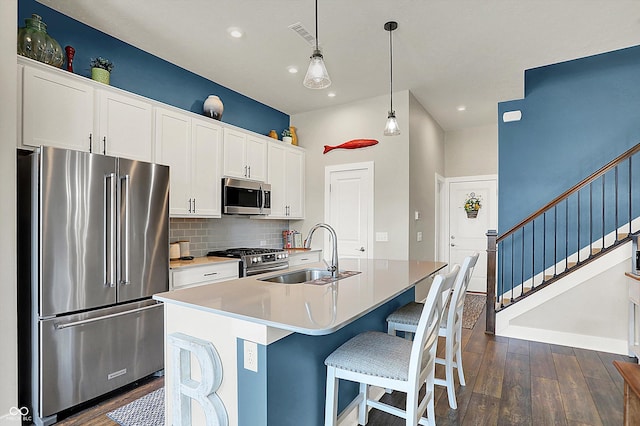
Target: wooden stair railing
[{"x": 578, "y": 226}]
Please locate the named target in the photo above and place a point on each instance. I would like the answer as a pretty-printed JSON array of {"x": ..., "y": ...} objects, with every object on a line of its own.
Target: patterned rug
[
  {"x": 473, "y": 306},
  {"x": 145, "y": 411}
]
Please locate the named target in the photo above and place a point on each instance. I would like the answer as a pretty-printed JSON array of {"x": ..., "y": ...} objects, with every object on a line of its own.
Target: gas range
[{"x": 256, "y": 260}]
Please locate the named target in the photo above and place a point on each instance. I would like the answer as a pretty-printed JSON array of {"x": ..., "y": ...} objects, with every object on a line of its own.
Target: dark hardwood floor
[{"x": 509, "y": 382}]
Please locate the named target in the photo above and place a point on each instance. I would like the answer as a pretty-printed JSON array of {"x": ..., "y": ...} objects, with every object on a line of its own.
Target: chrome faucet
[{"x": 334, "y": 254}]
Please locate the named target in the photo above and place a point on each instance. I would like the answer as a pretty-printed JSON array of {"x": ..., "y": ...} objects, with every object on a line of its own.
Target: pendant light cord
[
  {"x": 317, "y": 25},
  {"x": 390, "y": 67}
]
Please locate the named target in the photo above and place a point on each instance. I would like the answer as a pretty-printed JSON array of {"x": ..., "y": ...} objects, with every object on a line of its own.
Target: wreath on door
[{"x": 472, "y": 205}]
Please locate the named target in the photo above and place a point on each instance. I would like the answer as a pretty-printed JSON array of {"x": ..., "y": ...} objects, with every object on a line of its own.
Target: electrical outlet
[
  {"x": 419, "y": 236},
  {"x": 250, "y": 356}
]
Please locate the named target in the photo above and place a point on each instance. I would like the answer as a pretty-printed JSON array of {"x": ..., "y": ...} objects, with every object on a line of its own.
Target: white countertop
[
  {"x": 307, "y": 308},
  {"x": 200, "y": 261}
]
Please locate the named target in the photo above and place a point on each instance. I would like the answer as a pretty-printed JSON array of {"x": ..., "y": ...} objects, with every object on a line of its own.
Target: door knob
[
  {"x": 360, "y": 249},
  {"x": 453, "y": 238},
  {"x": 453, "y": 245}
]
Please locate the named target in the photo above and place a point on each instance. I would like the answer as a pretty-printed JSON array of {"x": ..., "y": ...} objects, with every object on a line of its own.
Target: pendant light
[
  {"x": 317, "y": 76},
  {"x": 391, "y": 129}
]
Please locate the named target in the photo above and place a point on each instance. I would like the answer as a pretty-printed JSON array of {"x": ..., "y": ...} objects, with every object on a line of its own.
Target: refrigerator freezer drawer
[{"x": 86, "y": 355}]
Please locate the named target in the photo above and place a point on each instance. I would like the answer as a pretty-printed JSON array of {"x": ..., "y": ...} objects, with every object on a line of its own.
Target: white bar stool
[
  {"x": 379, "y": 359},
  {"x": 406, "y": 319}
]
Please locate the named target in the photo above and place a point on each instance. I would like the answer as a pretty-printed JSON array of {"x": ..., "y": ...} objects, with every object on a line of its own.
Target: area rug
[
  {"x": 473, "y": 306},
  {"x": 145, "y": 411}
]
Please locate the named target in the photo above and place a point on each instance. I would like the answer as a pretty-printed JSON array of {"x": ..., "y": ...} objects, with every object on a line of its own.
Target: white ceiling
[{"x": 446, "y": 52}]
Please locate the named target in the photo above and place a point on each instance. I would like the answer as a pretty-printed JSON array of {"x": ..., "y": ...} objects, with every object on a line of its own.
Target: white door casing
[
  {"x": 349, "y": 201},
  {"x": 465, "y": 235}
]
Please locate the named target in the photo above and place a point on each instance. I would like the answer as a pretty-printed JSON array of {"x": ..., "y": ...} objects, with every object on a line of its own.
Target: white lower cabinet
[
  {"x": 191, "y": 147},
  {"x": 199, "y": 275},
  {"x": 286, "y": 176},
  {"x": 304, "y": 257}
]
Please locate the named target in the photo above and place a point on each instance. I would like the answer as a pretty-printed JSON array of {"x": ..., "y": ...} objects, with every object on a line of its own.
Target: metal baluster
[
  {"x": 501, "y": 281},
  {"x": 555, "y": 240},
  {"x": 630, "y": 186},
  {"x": 566, "y": 234},
  {"x": 544, "y": 246},
  {"x": 578, "y": 261},
  {"x": 511, "y": 236},
  {"x": 603, "y": 230},
  {"x": 533, "y": 253},
  {"x": 616, "y": 203},
  {"x": 590, "y": 219},
  {"x": 522, "y": 264}
]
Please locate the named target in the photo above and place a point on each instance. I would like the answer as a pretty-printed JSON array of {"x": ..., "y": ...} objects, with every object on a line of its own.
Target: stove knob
[{"x": 256, "y": 259}]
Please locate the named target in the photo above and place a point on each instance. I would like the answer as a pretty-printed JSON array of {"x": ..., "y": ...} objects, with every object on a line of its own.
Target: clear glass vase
[{"x": 35, "y": 43}]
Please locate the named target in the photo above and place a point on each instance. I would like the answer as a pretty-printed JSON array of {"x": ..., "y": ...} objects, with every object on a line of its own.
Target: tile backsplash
[{"x": 205, "y": 235}]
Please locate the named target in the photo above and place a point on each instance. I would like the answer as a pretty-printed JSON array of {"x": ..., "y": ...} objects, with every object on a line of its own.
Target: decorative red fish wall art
[{"x": 352, "y": 144}]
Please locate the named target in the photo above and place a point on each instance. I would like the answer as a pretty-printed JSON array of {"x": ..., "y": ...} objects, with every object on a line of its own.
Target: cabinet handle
[
  {"x": 194, "y": 205},
  {"x": 90, "y": 142},
  {"x": 104, "y": 147},
  {"x": 209, "y": 274},
  {"x": 189, "y": 205},
  {"x": 245, "y": 171},
  {"x": 249, "y": 169}
]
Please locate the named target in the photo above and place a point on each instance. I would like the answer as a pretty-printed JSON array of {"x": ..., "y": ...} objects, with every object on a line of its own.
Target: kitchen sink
[{"x": 319, "y": 276}]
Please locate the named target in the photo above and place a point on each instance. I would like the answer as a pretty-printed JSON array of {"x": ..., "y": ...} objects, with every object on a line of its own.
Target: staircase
[{"x": 580, "y": 226}]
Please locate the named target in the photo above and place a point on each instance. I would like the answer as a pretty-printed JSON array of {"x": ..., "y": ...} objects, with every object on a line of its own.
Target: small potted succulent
[
  {"x": 101, "y": 69},
  {"x": 286, "y": 136}
]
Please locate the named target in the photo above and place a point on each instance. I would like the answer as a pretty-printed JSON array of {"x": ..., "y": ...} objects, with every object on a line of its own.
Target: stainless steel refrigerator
[{"x": 94, "y": 241}]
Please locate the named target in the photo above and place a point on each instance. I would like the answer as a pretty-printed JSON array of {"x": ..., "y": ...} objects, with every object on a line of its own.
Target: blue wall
[
  {"x": 147, "y": 75},
  {"x": 576, "y": 117}
]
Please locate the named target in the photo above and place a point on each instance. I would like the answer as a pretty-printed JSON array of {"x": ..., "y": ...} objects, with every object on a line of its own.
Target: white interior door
[
  {"x": 468, "y": 234},
  {"x": 349, "y": 208}
]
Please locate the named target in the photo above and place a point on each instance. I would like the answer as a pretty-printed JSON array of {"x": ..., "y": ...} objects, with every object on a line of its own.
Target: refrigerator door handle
[
  {"x": 125, "y": 183},
  {"x": 61, "y": 326},
  {"x": 109, "y": 230}
]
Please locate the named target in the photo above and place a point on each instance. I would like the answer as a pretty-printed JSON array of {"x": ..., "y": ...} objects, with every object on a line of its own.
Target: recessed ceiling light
[
  {"x": 292, "y": 69},
  {"x": 331, "y": 94},
  {"x": 235, "y": 32},
  {"x": 461, "y": 108}
]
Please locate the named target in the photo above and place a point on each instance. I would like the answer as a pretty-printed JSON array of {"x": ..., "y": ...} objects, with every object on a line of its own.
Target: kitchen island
[{"x": 271, "y": 339}]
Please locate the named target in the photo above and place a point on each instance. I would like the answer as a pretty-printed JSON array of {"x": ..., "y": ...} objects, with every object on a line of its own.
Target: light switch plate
[
  {"x": 419, "y": 236},
  {"x": 382, "y": 236}
]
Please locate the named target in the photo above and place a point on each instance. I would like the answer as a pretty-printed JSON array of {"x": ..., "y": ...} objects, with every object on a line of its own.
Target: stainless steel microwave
[{"x": 245, "y": 197}]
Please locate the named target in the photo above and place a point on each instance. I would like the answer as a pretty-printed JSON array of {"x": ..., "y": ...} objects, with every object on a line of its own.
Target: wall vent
[{"x": 302, "y": 32}]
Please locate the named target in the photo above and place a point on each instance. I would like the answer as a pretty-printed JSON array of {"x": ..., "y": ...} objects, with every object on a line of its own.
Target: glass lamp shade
[
  {"x": 317, "y": 76},
  {"x": 391, "y": 129}
]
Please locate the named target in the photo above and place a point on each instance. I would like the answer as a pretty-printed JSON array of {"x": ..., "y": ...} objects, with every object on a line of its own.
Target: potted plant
[
  {"x": 101, "y": 69},
  {"x": 472, "y": 205},
  {"x": 286, "y": 136}
]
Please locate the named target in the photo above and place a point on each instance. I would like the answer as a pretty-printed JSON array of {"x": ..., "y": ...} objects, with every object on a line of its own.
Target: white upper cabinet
[
  {"x": 64, "y": 110},
  {"x": 124, "y": 126},
  {"x": 245, "y": 155},
  {"x": 206, "y": 183},
  {"x": 57, "y": 110},
  {"x": 286, "y": 176},
  {"x": 191, "y": 147}
]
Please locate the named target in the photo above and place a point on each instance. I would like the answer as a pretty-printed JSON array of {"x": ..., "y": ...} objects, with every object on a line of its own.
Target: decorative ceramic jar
[
  {"x": 213, "y": 107},
  {"x": 35, "y": 43},
  {"x": 273, "y": 134},
  {"x": 287, "y": 139},
  {"x": 294, "y": 136}
]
